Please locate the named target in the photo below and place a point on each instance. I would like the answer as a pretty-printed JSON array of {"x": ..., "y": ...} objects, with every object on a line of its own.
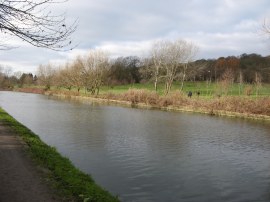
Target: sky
[{"x": 220, "y": 28}]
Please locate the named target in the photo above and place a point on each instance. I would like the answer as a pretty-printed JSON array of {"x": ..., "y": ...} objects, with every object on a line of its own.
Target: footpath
[{"x": 20, "y": 178}]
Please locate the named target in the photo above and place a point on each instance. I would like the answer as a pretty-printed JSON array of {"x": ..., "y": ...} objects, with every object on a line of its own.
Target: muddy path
[{"x": 20, "y": 179}]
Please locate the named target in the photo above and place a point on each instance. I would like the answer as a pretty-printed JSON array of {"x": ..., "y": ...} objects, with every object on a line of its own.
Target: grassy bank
[
  {"x": 71, "y": 183},
  {"x": 233, "y": 106},
  {"x": 245, "y": 106}
]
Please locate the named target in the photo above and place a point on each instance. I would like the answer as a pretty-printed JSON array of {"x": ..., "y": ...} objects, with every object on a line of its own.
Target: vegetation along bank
[
  {"x": 243, "y": 106},
  {"x": 235, "y": 85}
]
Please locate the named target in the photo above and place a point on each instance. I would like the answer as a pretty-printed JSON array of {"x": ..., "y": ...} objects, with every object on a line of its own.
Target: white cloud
[
  {"x": 128, "y": 48},
  {"x": 216, "y": 45},
  {"x": 124, "y": 28},
  {"x": 247, "y": 25}
]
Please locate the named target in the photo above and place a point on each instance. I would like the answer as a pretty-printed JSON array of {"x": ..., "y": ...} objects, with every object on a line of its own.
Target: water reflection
[{"x": 150, "y": 155}]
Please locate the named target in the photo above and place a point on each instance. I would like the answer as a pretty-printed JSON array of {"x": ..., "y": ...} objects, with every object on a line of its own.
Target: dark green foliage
[
  {"x": 70, "y": 181},
  {"x": 125, "y": 70},
  {"x": 251, "y": 63},
  {"x": 26, "y": 79}
]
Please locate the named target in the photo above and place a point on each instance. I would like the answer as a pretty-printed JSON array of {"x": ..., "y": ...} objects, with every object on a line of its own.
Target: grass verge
[
  {"x": 69, "y": 181},
  {"x": 233, "y": 106},
  {"x": 243, "y": 106}
]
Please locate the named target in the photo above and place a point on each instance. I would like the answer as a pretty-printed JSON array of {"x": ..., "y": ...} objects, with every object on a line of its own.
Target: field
[{"x": 206, "y": 89}]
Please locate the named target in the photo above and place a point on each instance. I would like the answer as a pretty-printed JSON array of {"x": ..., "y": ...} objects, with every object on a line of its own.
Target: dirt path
[{"x": 20, "y": 180}]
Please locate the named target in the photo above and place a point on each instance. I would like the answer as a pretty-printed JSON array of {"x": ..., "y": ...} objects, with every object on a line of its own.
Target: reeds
[
  {"x": 239, "y": 104},
  {"x": 31, "y": 90},
  {"x": 177, "y": 99}
]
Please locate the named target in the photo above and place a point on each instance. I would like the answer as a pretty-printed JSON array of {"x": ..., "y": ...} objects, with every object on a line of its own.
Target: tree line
[{"x": 168, "y": 61}]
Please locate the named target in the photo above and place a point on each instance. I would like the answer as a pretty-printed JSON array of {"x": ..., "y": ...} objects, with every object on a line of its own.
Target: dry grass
[
  {"x": 31, "y": 90},
  {"x": 260, "y": 106},
  {"x": 134, "y": 96},
  {"x": 236, "y": 104},
  {"x": 239, "y": 104}
]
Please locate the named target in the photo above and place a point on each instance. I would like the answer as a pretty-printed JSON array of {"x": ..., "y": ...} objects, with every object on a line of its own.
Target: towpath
[{"x": 20, "y": 178}]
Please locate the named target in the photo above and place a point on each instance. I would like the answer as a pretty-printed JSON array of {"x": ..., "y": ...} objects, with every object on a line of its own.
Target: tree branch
[{"x": 33, "y": 22}]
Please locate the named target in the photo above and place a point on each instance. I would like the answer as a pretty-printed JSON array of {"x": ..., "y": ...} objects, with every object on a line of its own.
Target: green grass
[
  {"x": 205, "y": 89},
  {"x": 68, "y": 180}
]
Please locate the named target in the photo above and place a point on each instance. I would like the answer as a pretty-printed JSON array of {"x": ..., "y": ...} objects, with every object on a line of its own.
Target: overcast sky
[{"x": 128, "y": 27}]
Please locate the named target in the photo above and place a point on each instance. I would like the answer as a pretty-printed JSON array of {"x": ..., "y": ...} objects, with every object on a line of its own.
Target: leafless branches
[
  {"x": 266, "y": 27},
  {"x": 33, "y": 22},
  {"x": 171, "y": 60}
]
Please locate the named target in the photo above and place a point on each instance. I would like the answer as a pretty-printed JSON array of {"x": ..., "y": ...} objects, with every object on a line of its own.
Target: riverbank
[
  {"x": 231, "y": 106},
  {"x": 27, "y": 165}
]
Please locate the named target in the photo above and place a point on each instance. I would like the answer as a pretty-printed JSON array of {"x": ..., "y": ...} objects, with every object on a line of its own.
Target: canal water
[{"x": 150, "y": 155}]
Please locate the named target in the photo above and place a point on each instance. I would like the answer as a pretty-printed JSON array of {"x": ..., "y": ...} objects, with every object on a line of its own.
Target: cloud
[
  {"x": 128, "y": 48},
  {"x": 214, "y": 45},
  {"x": 123, "y": 28}
]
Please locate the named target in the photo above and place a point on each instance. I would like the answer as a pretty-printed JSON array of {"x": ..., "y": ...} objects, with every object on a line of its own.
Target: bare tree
[
  {"x": 89, "y": 71},
  {"x": 171, "y": 60},
  {"x": 95, "y": 70},
  {"x": 2, "y": 76},
  {"x": 69, "y": 75},
  {"x": 189, "y": 51},
  {"x": 33, "y": 22},
  {"x": 97, "y": 66},
  {"x": 45, "y": 75},
  {"x": 63, "y": 77},
  {"x": 157, "y": 55},
  {"x": 76, "y": 74}
]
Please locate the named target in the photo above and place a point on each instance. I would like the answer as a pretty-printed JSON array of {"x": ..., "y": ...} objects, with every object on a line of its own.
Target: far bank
[{"x": 232, "y": 106}]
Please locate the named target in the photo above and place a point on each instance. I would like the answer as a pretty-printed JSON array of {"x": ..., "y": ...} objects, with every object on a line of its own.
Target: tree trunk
[
  {"x": 155, "y": 84},
  {"x": 183, "y": 78}
]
